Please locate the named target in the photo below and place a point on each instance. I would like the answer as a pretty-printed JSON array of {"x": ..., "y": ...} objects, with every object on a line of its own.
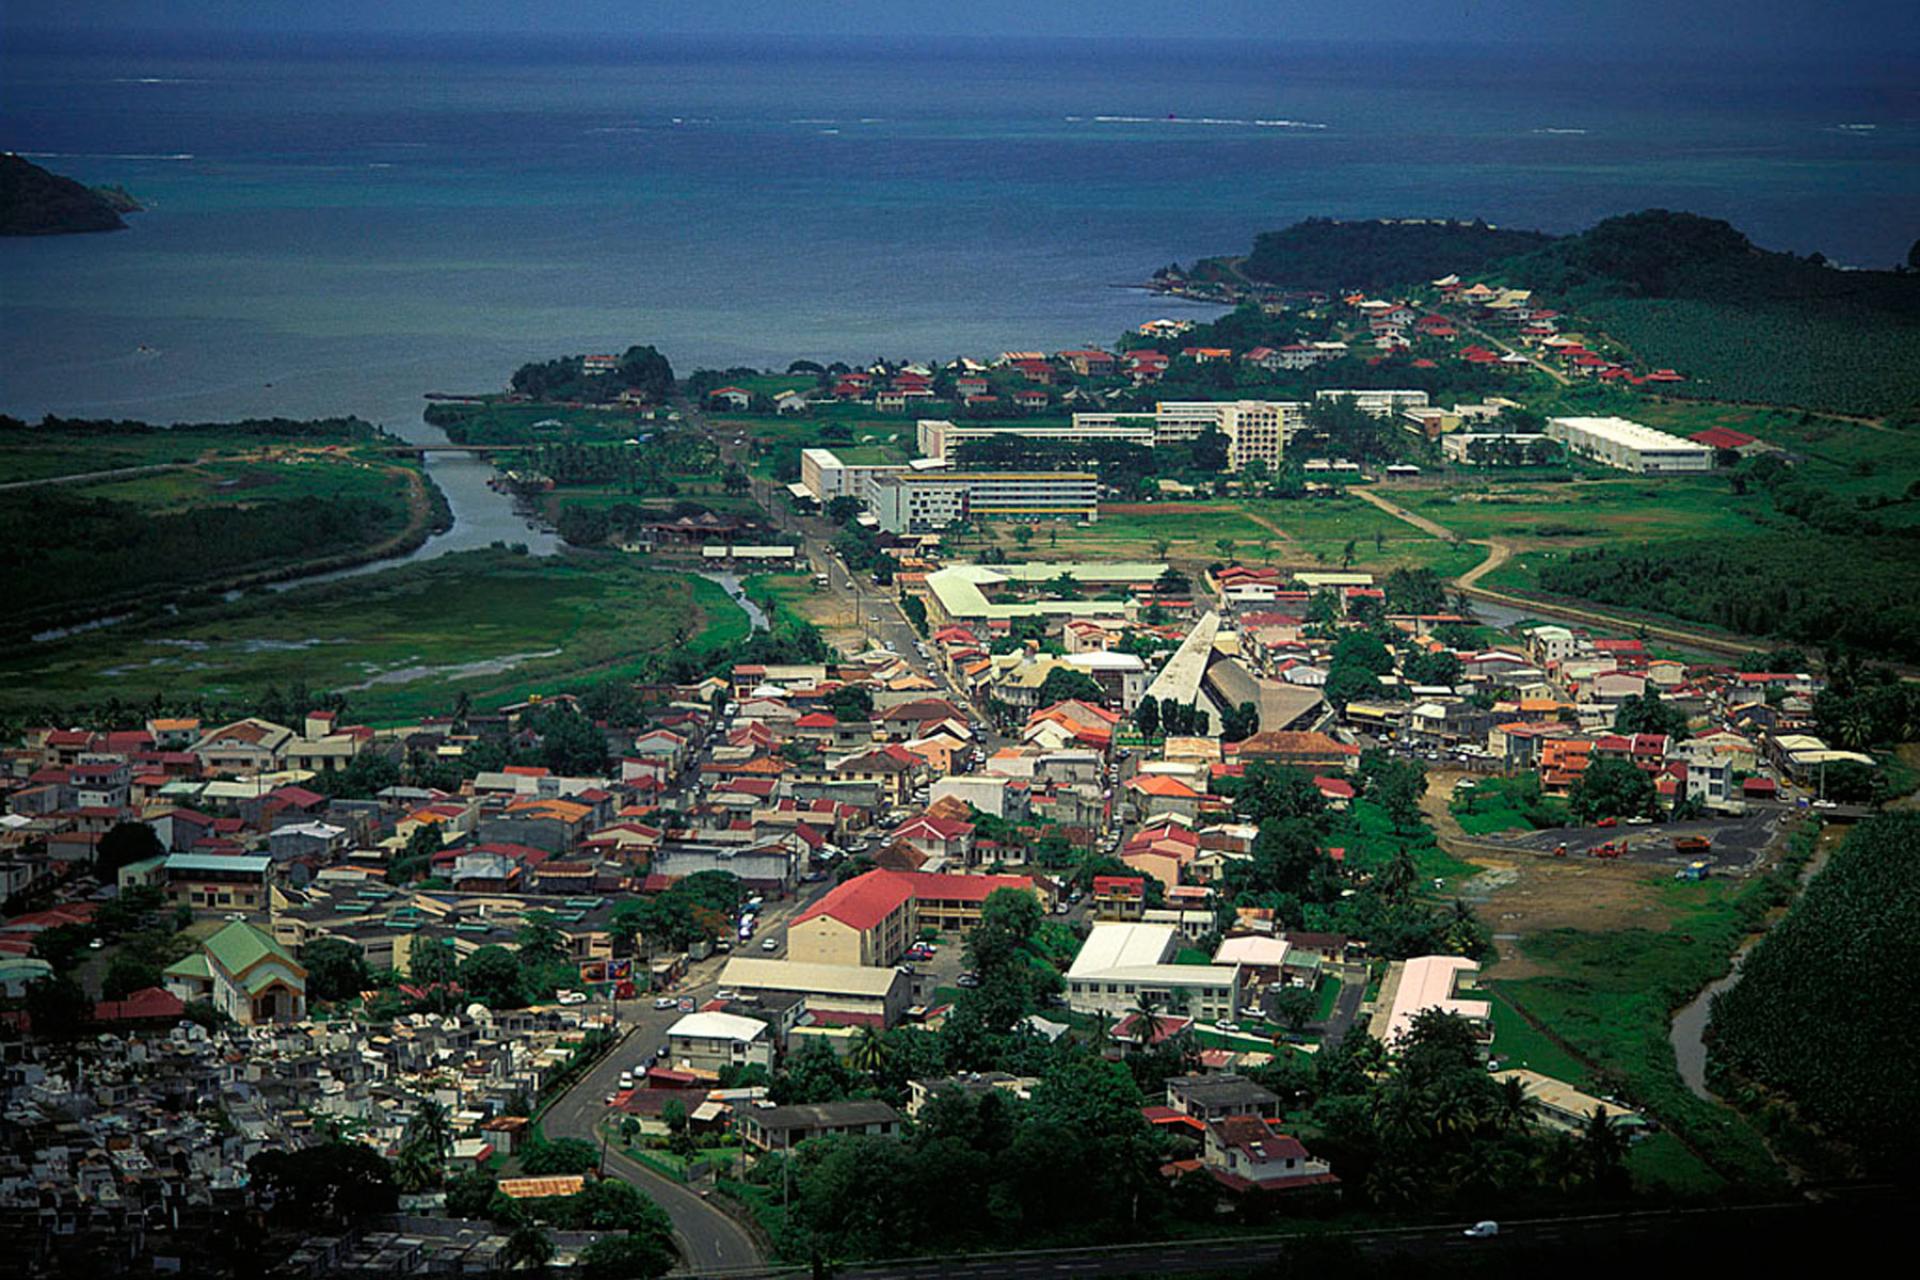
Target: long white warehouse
[{"x": 1617, "y": 442}]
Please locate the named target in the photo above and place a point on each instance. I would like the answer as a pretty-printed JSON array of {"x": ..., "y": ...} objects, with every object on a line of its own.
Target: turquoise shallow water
[{"x": 340, "y": 228}]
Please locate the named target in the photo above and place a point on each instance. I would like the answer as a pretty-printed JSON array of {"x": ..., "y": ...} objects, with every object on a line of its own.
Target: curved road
[
  {"x": 709, "y": 1239},
  {"x": 1498, "y": 553}
]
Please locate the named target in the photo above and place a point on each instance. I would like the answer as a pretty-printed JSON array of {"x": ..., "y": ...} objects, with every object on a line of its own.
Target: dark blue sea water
[{"x": 340, "y": 228}]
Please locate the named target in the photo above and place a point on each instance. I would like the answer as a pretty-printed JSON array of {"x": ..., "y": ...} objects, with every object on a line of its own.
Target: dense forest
[
  {"x": 34, "y": 202},
  {"x": 1325, "y": 253},
  {"x": 640, "y": 369},
  {"x": 1744, "y": 323},
  {"x": 68, "y": 551},
  {"x": 1864, "y": 594},
  {"x": 1822, "y": 1022}
]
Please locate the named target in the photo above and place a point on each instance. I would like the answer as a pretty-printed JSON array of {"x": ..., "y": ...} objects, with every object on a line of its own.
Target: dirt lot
[{"x": 1520, "y": 893}]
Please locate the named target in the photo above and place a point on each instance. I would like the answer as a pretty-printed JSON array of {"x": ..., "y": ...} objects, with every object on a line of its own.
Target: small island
[{"x": 35, "y": 202}]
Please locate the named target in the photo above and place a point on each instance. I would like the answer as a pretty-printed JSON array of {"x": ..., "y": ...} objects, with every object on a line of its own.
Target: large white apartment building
[
  {"x": 928, "y": 501},
  {"x": 1255, "y": 429},
  {"x": 827, "y": 477},
  {"x": 938, "y": 437},
  {"x": 1618, "y": 442}
]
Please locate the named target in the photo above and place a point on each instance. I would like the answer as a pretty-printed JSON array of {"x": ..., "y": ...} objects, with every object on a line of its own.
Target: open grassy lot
[
  {"x": 37, "y": 452},
  {"x": 250, "y": 482},
  {"x": 1640, "y": 509},
  {"x": 1604, "y": 1001},
  {"x": 402, "y": 642},
  {"x": 1307, "y": 534}
]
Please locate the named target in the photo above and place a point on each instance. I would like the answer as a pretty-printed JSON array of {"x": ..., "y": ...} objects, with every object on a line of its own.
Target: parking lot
[{"x": 1737, "y": 842}]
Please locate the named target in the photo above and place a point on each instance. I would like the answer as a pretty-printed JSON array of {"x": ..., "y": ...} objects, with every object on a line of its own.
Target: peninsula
[{"x": 36, "y": 202}]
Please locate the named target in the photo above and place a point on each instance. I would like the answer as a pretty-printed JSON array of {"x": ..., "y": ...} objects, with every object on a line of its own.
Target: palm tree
[
  {"x": 1146, "y": 1007},
  {"x": 1397, "y": 878},
  {"x": 1855, "y": 730},
  {"x": 1603, "y": 1147},
  {"x": 1515, "y": 1108},
  {"x": 528, "y": 1246},
  {"x": 870, "y": 1051}
]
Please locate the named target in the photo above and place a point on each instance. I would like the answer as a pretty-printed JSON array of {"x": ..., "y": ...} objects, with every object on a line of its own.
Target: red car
[{"x": 1607, "y": 822}]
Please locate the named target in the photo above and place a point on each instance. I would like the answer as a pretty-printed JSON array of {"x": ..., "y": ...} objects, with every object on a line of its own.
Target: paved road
[
  {"x": 1655, "y": 1239},
  {"x": 707, "y": 1237}
]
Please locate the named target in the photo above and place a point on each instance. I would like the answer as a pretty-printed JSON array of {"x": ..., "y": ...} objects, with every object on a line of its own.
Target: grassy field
[
  {"x": 1307, "y": 534},
  {"x": 1498, "y": 805},
  {"x": 1638, "y": 509},
  {"x": 402, "y": 642},
  {"x": 34, "y": 453},
  {"x": 1602, "y": 1001}
]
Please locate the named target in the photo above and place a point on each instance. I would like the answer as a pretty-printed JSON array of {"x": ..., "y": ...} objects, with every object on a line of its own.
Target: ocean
[{"x": 341, "y": 227}]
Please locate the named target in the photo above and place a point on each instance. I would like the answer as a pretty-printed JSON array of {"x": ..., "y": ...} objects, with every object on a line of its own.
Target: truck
[
  {"x": 1693, "y": 871},
  {"x": 1692, "y": 844}
]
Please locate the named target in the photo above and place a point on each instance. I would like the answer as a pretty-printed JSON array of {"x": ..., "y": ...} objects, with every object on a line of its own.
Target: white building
[
  {"x": 1617, "y": 442},
  {"x": 1381, "y": 404},
  {"x": 938, "y": 437},
  {"x": 1118, "y": 962},
  {"x": 708, "y": 1041},
  {"x": 928, "y": 501}
]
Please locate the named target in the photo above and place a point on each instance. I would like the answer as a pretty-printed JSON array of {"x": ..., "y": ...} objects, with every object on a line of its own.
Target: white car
[
  {"x": 626, "y": 1079},
  {"x": 664, "y": 1002},
  {"x": 570, "y": 997},
  {"x": 769, "y": 945},
  {"x": 1639, "y": 820},
  {"x": 1224, "y": 1025},
  {"x": 1482, "y": 1230}
]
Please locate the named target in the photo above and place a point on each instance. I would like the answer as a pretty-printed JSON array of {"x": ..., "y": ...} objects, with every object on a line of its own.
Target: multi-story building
[
  {"x": 927, "y": 501},
  {"x": 940, "y": 438}
]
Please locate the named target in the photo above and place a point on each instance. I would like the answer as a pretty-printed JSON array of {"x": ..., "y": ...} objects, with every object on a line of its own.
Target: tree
[
  {"x": 1065, "y": 683},
  {"x": 1647, "y": 713},
  {"x": 540, "y": 939},
  {"x": 127, "y": 973},
  {"x": 126, "y": 843},
  {"x": 431, "y": 960},
  {"x": 627, "y": 1257},
  {"x": 336, "y": 969},
  {"x": 1146, "y": 716},
  {"x": 528, "y": 1247},
  {"x": 1611, "y": 787},
  {"x": 870, "y": 1050},
  {"x": 1240, "y": 723},
  {"x": 851, "y": 703},
  {"x": 559, "y": 1157},
  {"x": 1023, "y": 535},
  {"x": 57, "y": 1007},
  {"x": 334, "y": 1182},
  {"x": 915, "y": 610},
  {"x": 1294, "y": 1007},
  {"x": 493, "y": 976},
  {"x": 1225, "y": 547}
]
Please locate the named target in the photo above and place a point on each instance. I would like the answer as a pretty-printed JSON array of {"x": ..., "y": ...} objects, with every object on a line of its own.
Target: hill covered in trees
[
  {"x": 1743, "y": 323},
  {"x": 1327, "y": 253},
  {"x": 1822, "y": 1020},
  {"x": 35, "y": 202}
]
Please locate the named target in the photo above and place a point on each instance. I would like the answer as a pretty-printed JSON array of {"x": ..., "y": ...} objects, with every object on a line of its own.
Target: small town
[
  {"x": 1393, "y": 751},
  {"x": 1122, "y": 845}
]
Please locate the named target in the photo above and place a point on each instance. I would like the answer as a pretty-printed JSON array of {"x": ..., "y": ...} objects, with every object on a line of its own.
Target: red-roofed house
[{"x": 1245, "y": 1153}]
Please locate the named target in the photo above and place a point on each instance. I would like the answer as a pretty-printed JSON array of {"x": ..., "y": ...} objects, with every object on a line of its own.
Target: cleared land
[{"x": 493, "y": 625}]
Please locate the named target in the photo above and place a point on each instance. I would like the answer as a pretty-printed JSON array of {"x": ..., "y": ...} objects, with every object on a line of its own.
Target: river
[
  {"x": 482, "y": 514},
  {"x": 1689, "y": 1028}
]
